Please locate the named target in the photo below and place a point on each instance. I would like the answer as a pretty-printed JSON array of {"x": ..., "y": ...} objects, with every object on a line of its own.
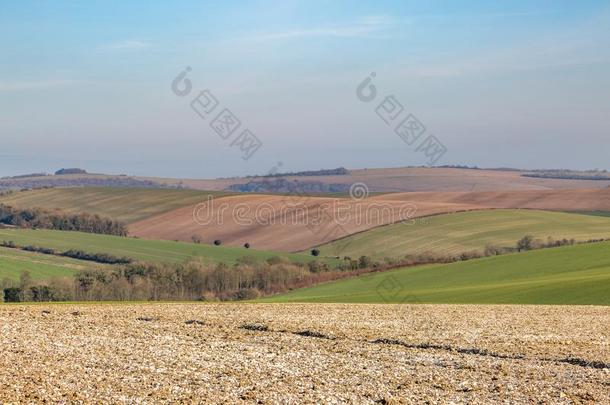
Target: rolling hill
[
  {"x": 139, "y": 249},
  {"x": 568, "y": 275},
  {"x": 282, "y": 223},
  {"x": 468, "y": 231},
  {"x": 594, "y": 199},
  {"x": 41, "y": 267},
  {"x": 235, "y": 220},
  {"x": 124, "y": 204}
]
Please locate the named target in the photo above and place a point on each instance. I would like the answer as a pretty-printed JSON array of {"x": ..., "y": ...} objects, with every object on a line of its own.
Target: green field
[
  {"x": 468, "y": 231},
  {"x": 568, "y": 275},
  {"x": 41, "y": 267},
  {"x": 123, "y": 204},
  {"x": 139, "y": 249}
]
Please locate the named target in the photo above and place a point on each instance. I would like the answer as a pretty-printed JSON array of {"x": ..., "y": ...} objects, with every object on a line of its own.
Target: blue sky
[{"x": 513, "y": 83}]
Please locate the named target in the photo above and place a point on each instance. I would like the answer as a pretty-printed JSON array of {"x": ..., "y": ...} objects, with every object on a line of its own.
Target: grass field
[
  {"x": 568, "y": 275},
  {"x": 467, "y": 231},
  {"x": 124, "y": 204},
  {"x": 139, "y": 249},
  {"x": 41, "y": 267}
]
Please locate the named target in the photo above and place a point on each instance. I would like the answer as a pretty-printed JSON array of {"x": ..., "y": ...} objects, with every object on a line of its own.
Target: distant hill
[
  {"x": 405, "y": 179},
  {"x": 68, "y": 178}
]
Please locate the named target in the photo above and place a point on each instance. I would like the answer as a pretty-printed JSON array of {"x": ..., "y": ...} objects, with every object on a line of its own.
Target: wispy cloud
[
  {"x": 35, "y": 85},
  {"x": 127, "y": 45},
  {"x": 363, "y": 27}
]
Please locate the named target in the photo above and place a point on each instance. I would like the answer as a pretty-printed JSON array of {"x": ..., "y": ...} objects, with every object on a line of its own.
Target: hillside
[
  {"x": 41, "y": 267},
  {"x": 138, "y": 249},
  {"x": 468, "y": 231},
  {"x": 569, "y": 275},
  {"x": 124, "y": 204},
  {"x": 283, "y": 223},
  {"x": 593, "y": 199},
  {"x": 321, "y": 220}
]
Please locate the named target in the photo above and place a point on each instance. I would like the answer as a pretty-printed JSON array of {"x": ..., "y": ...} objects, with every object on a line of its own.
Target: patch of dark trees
[
  {"x": 289, "y": 186},
  {"x": 72, "y": 170},
  {"x": 569, "y": 174},
  {"x": 103, "y": 258},
  {"x": 340, "y": 171},
  {"x": 39, "y": 218}
]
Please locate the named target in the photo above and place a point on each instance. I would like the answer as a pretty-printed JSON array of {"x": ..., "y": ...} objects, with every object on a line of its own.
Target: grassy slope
[
  {"x": 13, "y": 262},
  {"x": 569, "y": 275},
  {"x": 594, "y": 213},
  {"x": 139, "y": 249},
  {"x": 456, "y": 233},
  {"x": 125, "y": 204}
]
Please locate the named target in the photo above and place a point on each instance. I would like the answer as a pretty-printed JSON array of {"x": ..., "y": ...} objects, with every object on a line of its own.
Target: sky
[{"x": 498, "y": 84}]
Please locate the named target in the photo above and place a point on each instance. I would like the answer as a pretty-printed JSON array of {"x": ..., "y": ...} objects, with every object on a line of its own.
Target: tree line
[
  {"x": 39, "y": 218},
  {"x": 248, "y": 279}
]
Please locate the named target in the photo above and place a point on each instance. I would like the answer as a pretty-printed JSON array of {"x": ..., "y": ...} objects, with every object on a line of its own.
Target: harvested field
[
  {"x": 283, "y": 223},
  {"x": 275, "y": 227},
  {"x": 304, "y": 353},
  {"x": 556, "y": 200}
]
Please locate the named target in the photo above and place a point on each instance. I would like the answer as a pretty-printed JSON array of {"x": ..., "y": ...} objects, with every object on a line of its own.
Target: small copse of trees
[{"x": 39, "y": 218}]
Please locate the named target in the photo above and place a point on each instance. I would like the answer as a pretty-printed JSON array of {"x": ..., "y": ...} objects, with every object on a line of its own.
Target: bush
[
  {"x": 317, "y": 266},
  {"x": 491, "y": 250},
  {"x": 9, "y": 244},
  {"x": 315, "y": 252},
  {"x": 37, "y": 249},
  {"x": 12, "y": 294},
  {"x": 247, "y": 245},
  {"x": 96, "y": 257},
  {"x": 247, "y": 294},
  {"x": 525, "y": 243},
  {"x": 364, "y": 262},
  {"x": 217, "y": 242}
]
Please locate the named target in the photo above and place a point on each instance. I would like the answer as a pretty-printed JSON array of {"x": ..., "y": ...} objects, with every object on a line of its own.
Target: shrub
[
  {"x": 364, "y": 262},
  {"x": 9, "y": 244},
  {"x": 525, "y": 243},
  {"x": 247, "y": 245},
  {"x": 317, "y": 266},
  {"x": 315, "y": 252},
  {"x": 492, "y": 250},
  {"x": 12, "y": 294},
  {"x": 96, "y": 257},
  {"x": 217, "y": 242},
  {"x": 247, "y": 294}
]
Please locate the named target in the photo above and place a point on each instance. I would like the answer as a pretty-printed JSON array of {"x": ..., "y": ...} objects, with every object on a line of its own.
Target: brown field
[
  {"x": 557, "y": 200},
  {"x": 284, "y": 223},
  {"x": 418, "y": 179},
  {"x": 149, "y": 353},
  {"x": 285, "y": 233}
]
